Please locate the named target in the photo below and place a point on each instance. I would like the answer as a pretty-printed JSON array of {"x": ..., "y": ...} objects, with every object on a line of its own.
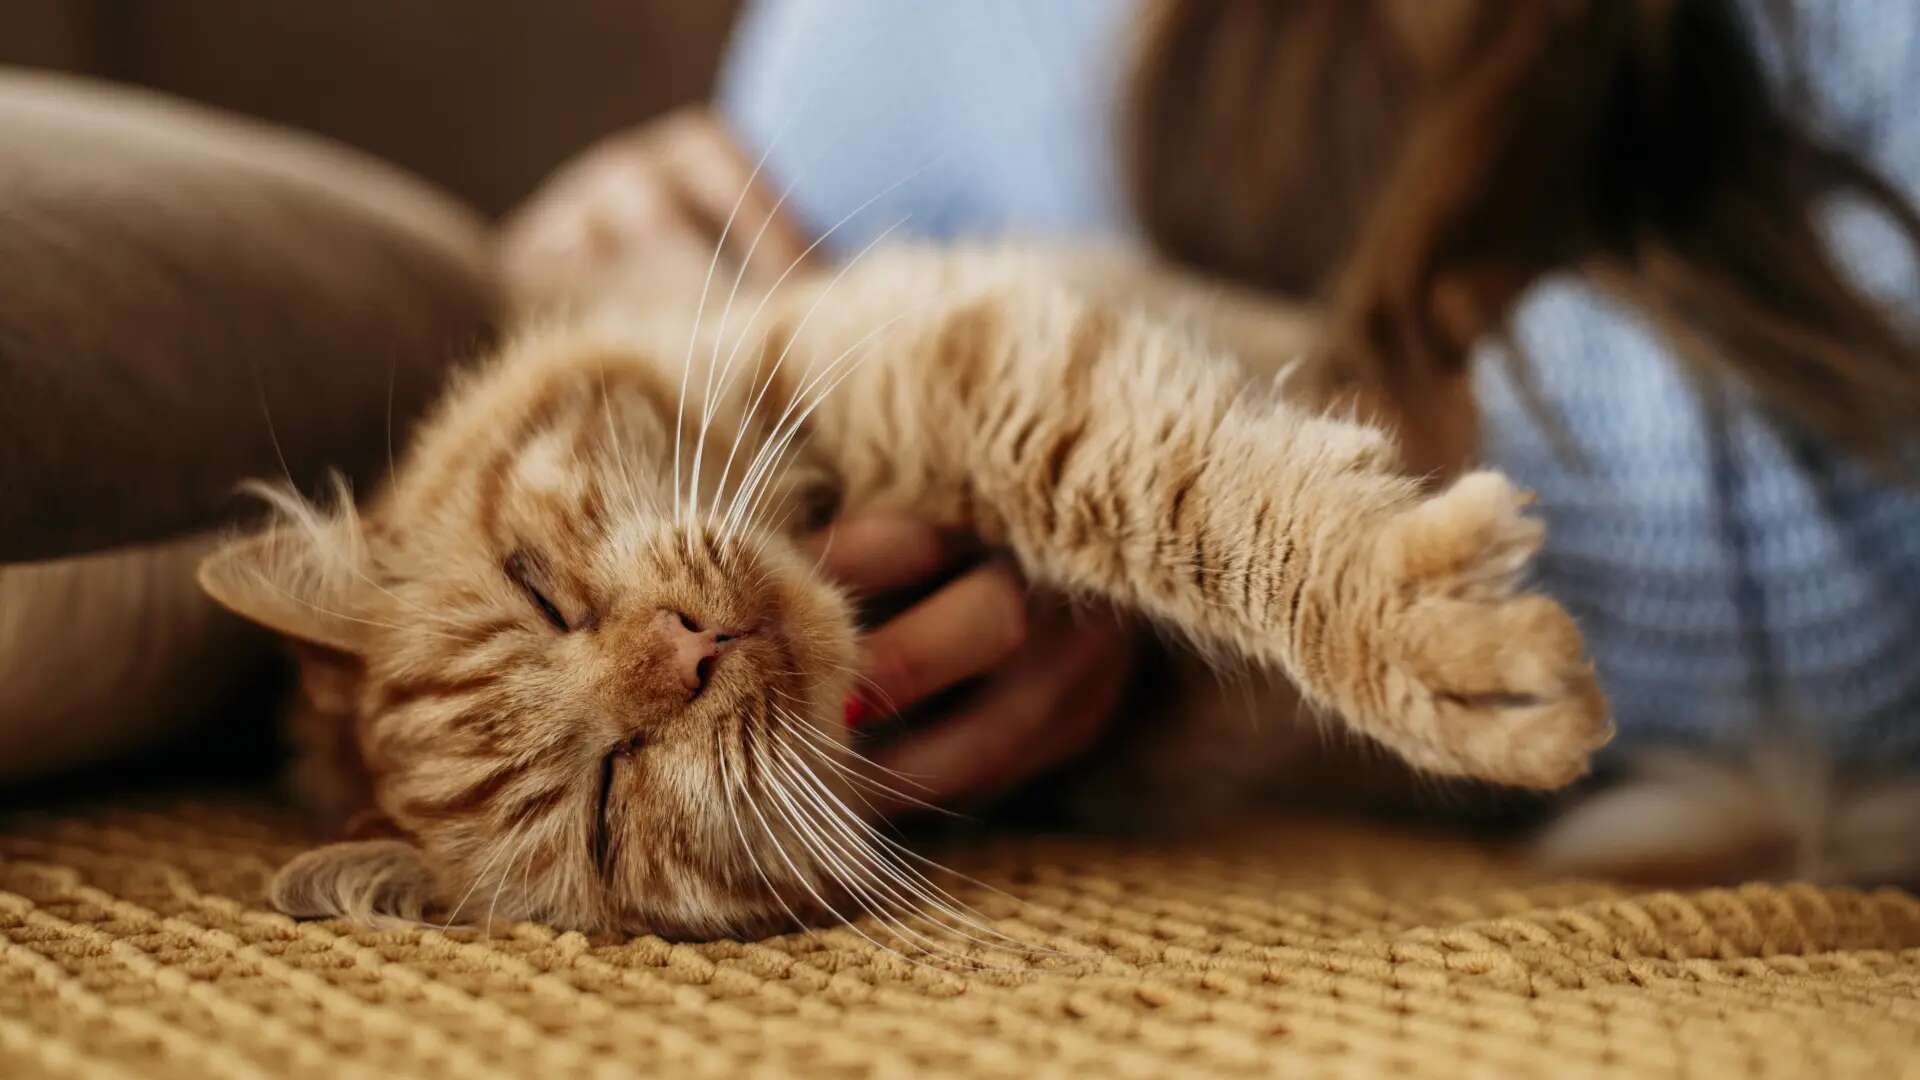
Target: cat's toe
[
  {"x": 1503, "y": 691},
  {"x": 1486, "y": 681},
  {"x": 1473, "y": 539}
]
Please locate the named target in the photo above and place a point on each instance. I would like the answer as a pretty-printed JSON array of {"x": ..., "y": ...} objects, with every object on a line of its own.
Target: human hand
[
  {"x": 1053, "y": 677},
  {"x": 669, "y": 185}
]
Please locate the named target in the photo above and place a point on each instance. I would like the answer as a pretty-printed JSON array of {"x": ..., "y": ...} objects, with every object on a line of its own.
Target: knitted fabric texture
[{"x": 134, "y": 942}]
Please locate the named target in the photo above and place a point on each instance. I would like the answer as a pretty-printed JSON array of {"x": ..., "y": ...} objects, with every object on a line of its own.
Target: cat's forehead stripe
[
  {"x": 562, "y": 431},
  {"x": 548, "y": 463}
]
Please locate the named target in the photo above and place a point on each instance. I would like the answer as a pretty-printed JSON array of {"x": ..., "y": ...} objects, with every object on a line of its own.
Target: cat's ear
[
  {"x": 368, "y": 881},
  {"x": 290, "y": 581}
]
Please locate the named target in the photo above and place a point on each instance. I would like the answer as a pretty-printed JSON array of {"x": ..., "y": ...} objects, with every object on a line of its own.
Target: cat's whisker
[
  {"x": 794, "y": 334},
  {"x": 850, "y": 752},
  {"x": 878, "y": 787},
  {"x": 454, "y": 915},
  {"x": 768, "y": 468},
  {"x": 331, "y": 614},
  {"x": 893, "y": 844},
  {"x": 524, "y": 848},
  {"x": 907, "y": 853},
  {"x": 746, "y": 511},
  {"x": 699, "y": 314},
  {"x": 732, "y": 791},
  {"x": 619, "y": 449},
  {"x": 707, "y": 399},
  {"x": 928, "y": 890},
  {"x": 826, "y": 750},
  {"x": 707, "y": 405},
  {"x": 828, "y": 760},
  {"x": 830, "y": 746},
  {"x": 798, "y": 261},
  {"x": 774, "y": 451},
  {"x": 817, "y": 829},
  {"x": 799, "y": 395},
  {"x": 813, "y": 837},
  {"x": 847, "y": 923},
  {"x": 881, "y": 698},
  {"x": 881, "y": 871},
  {"x": 926, "y": 904},
  {"x": 805, "y": 881},
  {"x": 750, "y": 420},
  {"x": 776, "y": 442},
  {"x": 885, "y": 702}
]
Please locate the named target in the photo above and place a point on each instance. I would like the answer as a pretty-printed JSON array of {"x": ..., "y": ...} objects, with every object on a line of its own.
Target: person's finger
[
  {"x": 1090, "y": 704},
  {"x": 970, "y": 627},
  {"x": 598, "y": 214},
  {"x": 673, "y": 183},
  {"x": 1003, "y": 736},
  {"x": 638, "y": 202},
  {"x": 877, "y": 553}
]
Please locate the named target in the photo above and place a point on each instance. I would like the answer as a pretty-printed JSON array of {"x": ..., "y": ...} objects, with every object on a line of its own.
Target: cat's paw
[{"x": 1480, "y": 678}]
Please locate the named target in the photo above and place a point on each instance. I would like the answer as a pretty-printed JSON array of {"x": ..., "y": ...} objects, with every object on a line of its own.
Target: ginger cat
[{"x": 578, "y": 671}]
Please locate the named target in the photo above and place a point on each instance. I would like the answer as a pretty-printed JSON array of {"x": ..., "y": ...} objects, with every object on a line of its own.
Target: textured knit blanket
[{"x": 134, "y": 942}]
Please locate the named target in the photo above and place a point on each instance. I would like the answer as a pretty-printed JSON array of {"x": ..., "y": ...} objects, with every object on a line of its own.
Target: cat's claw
[{"x": 1479, "y": 678}]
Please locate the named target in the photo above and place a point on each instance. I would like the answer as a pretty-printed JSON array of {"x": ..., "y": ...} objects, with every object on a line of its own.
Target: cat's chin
[
  {"x": 745, "y": 925},
  {"x": 742, "y": 915}
]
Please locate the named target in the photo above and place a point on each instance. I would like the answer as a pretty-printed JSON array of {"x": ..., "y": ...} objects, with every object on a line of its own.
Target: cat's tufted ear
[
  {"x": 368, "y": 881},
  {"x": 293, "y": 581}
]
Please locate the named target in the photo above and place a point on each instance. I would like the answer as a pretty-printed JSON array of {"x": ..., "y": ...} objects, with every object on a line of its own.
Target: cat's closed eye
[
  {"x": 601, "y": 824},
  {"x": 520, "y": 569}
]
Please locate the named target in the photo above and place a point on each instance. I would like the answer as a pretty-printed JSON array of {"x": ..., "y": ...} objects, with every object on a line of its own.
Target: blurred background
[
  {"x": 1645, "y": 206},
  {"x": 484, "y": 97}
]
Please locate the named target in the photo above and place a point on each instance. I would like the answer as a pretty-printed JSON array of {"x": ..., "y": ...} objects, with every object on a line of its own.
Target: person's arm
[{"x": 188, "y": 300}]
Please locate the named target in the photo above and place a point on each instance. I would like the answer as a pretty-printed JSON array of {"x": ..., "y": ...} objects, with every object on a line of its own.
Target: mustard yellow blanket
[{"x": 134, "y": 942}]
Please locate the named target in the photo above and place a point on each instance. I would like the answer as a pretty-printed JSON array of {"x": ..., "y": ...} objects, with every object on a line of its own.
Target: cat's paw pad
[{"x": 1484, "y": 680}]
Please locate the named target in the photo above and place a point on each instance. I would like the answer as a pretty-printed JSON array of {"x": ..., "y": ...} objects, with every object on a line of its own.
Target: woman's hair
[{"x": 1416, "y": 164}]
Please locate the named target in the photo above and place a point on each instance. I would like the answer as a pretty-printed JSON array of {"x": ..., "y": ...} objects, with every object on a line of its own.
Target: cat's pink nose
[{"x": 693, "y": 648}]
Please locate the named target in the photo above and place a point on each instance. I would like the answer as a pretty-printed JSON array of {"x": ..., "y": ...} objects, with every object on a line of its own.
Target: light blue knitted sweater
[{"x": 1721, "y": 575}]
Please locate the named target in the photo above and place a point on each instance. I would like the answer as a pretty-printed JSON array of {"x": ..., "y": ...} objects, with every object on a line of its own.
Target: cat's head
[{"x": 577, "y": 699}]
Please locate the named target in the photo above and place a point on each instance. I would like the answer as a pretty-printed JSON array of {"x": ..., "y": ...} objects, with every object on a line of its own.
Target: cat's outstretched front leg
[{"x": 1117, "y": 459}]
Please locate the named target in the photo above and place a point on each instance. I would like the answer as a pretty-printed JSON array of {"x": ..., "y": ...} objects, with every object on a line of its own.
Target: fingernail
[{"x": 857, "y": 712}]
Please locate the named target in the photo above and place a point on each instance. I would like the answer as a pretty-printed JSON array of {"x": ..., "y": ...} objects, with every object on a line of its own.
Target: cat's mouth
[{"x": 738, "y": 663}]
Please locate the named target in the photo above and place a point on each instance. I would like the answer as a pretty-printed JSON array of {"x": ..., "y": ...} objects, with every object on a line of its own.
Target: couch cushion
[{"x": 187, "y": 299}]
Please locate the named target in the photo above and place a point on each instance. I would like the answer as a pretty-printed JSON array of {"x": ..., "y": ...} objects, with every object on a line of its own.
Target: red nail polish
[{"x": 857, "y": 712}]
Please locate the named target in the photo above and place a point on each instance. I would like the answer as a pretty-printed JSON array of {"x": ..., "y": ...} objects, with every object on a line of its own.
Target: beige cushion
[
  {"x": 186, "y": 300},
  {"x": 172, "y": 279}
]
